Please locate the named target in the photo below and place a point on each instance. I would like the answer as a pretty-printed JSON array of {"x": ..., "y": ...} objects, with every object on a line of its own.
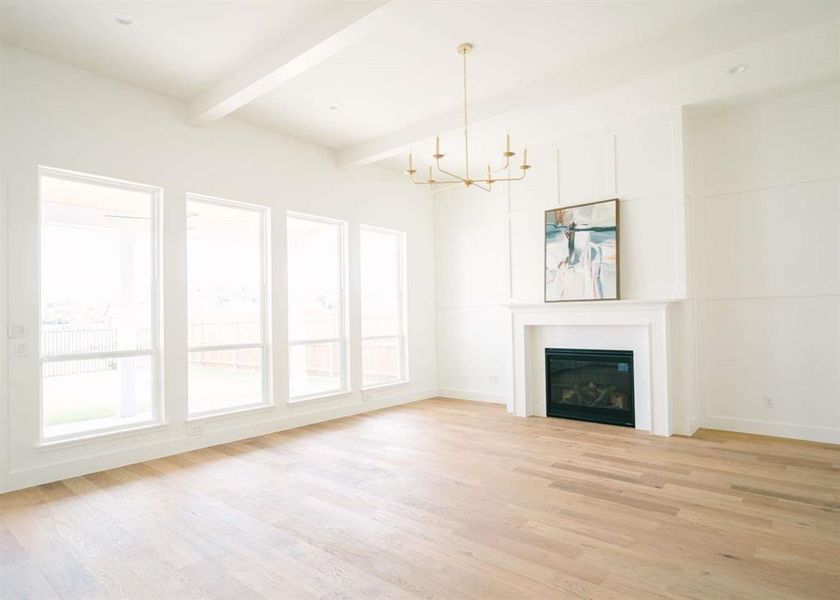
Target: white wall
[
  {"x": 490, "y": 246},
  {"x": 736, "y": 211},
  {"x": 60, "y": 116},
  {"x": 766, "y": 180}
]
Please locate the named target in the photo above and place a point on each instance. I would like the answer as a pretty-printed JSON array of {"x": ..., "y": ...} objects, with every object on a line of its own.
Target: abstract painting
[{"x": 581, "y": 252}]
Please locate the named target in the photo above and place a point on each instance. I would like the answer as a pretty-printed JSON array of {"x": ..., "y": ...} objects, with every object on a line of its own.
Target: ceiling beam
[
  {"x": 702, "y": 38},
  {"x": 333, "y": 31}
]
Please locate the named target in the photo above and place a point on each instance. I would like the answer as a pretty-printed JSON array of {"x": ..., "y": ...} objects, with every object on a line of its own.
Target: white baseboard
[
  {"x": 25, "y": 478},
  {"x": 810, "y": 433},
  {"x": 693, "y": 425},
  {"x": 478, "y": 396}
]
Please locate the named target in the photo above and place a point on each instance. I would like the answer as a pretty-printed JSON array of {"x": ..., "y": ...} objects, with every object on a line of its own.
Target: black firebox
[{"x": 590, "y": 385}]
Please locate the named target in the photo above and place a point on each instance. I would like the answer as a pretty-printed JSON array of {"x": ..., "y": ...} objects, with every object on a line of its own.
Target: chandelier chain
[{"x": 466, "y": 128}]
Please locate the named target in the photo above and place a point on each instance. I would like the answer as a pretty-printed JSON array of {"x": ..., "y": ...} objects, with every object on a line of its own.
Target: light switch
[{"x": 17, "y": 331}]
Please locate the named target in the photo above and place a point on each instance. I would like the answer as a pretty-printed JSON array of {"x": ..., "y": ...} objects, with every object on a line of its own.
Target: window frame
[
  {"x": 155, "y": 351},
  {"x": 267, "y": 397},
  {"x": 343, "y": 340},
  {"x": 402, "y": 336}
]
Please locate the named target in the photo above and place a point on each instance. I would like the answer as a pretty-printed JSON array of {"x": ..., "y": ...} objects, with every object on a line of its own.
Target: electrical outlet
[
  {"x": 195, "y": 428},
  {"x": 494, "y": 379},
  {"x": 19, "y": 349},
  {"x": 768, "y": 402}
]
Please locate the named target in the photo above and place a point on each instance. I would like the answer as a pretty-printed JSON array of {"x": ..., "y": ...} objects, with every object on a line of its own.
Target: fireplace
[{"x": 590, "y": 385}]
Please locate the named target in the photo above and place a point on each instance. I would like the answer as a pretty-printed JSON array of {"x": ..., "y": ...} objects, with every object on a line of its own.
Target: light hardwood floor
[{"x": 440, "y": 499}]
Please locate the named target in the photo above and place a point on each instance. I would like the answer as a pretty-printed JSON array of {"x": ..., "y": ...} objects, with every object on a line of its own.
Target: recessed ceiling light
[
  {"x": 123, "y": 18},
  {"x": 735, "y": 69},
  {"x": 334, "y": 107}
]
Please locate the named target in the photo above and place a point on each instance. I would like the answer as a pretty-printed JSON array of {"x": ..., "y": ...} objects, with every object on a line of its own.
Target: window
[
  {"x": 383, "y": 307},
  {"x": 317, "y": 300},
  {"x": 99, "y": 304},
  {"x": 227, "y": 299}
]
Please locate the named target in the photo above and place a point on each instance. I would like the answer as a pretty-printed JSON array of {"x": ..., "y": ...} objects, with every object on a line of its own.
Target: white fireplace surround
[{"x": 637, "y": 325}]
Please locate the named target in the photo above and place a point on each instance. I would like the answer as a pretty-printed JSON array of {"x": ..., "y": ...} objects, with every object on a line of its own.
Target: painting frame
[{"x": 617, "y": 252}]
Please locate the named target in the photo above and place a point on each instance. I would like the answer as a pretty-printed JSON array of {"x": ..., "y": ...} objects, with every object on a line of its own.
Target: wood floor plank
[{"x": 440, "y": 499}]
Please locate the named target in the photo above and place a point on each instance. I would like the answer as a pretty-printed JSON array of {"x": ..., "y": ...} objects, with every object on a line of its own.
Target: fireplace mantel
[
  {"x": 599, "y": 305},
  {"x": 642, "y": 324}
]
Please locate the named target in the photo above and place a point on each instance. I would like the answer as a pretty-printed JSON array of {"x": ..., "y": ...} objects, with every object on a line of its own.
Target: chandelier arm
[
  {"x": 520, "y": 178},
  {"x": 435, "y": 182},
  {"x": 438, "y": 182},
  {"x": 445, "y": 172},
  {"x": 504, "y": 167}
]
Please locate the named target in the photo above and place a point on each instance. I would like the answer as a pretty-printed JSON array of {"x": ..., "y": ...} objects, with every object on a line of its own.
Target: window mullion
[
  {"x": 50, "y": 358},
  {"x": 315, "y": 341},
  {"x": 222, "y": 347}
]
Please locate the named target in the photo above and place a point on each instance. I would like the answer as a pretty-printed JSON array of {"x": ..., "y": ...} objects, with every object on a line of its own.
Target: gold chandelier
[{"x": 451, "y": 179}]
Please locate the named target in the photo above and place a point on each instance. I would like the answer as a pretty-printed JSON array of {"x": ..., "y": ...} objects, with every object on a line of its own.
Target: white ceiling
[
  {"x": 403, "y": 74},
  {"x": 399, "y": 81},
  {"x": 174, "y": 48}
]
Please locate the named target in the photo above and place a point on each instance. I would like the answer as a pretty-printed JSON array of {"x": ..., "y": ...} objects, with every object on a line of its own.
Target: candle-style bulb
[
  {"x": 507, "y": 153},
  {"x": 525, "y": 166},
  {"x": 437, "y": 144}
]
